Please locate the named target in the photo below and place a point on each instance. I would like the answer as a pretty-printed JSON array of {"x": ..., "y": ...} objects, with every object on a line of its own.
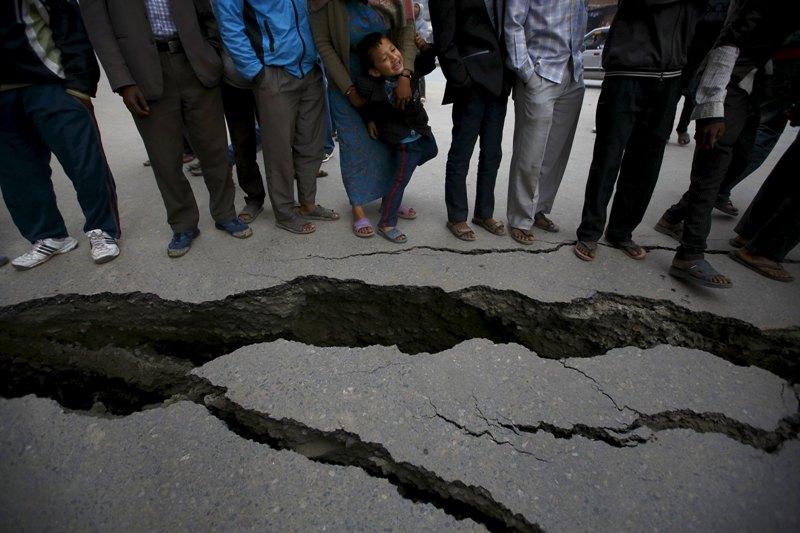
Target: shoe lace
[{"x": 100, "y": 240}]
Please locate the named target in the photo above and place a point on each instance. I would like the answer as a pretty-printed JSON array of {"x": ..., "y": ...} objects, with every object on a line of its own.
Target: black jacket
[
  {"x": 395, "y": 124},
  {"x": 470, "y": 44},
  {"x": 20, "y": 63},
  {"x": 758, "y": 28},
  {"x": 651, "y": 37}
]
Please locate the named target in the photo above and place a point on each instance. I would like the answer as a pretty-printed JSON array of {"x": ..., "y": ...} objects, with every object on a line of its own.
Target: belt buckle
[{"x": 174, "y": 46}]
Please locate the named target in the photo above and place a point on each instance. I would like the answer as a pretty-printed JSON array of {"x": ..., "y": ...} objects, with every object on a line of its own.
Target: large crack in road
[{"x": 121, "y": 353}]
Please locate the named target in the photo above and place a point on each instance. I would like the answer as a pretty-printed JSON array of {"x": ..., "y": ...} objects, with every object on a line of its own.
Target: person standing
[
  {"x": 727, "y": 119},
  {"x": 367, "y": 164},
  {"x": 468, "y": 36},
  {"x": 159, "y": 55},
  {"x": 270, "y": 42},
  {"x": 48, "y": 75},
  {"x": 544, "y": 40},
  {"x": 645, "y": 52}
]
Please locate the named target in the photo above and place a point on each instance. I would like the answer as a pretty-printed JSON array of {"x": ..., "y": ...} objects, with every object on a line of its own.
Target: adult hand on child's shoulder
[
  {"x": 402, "y": 92},
  {"x": 372, "y": 129}
]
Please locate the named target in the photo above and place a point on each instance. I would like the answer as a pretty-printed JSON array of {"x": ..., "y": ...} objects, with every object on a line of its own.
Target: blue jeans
[
  {"x": 38, "y": 120},
  {"x": 407, "y": 157},
  {"x": 476, "y": 113}
]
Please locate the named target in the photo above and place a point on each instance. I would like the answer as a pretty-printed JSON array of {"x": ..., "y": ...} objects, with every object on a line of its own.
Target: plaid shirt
[
  {"x": 542, "y": 35},
  {"x": 159, "y": 13}
]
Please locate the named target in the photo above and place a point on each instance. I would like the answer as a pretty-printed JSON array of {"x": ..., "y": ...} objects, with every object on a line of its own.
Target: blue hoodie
[{"x": 276, "y": 33}]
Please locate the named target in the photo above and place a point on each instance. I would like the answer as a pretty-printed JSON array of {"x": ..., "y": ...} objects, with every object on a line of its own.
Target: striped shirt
[
  {"x": 543, "y": 35},
  {"x": 159, "y": 13}
]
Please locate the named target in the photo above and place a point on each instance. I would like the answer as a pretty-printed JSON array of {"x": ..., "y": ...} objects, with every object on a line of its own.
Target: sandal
[
  {"x": 762, "y": 265},
  {"x": 588, "y": 251},
  {"x": 296, "y": 225},
  {"x": 670, "y": 230},
  {"x": 700, "y": 272},
  {"x": 322, "y": 173},
  {"x": 392, "y": 235},
  {"x": 738, "y": 242},
  {"x": 522, "y": 236},
  {"x": 727, "y": 207},
  {"x": 318, "y": 213},
  {"x": 362, "y": 224},
  {"x": 631, "y": 249},
  {"x": 461, "y": 230},
  {"x": 405, "y": 212},
  {"x": 250, "y": 212},
  {"x": 542, "y": 222},
  {"x": 495, "y": 227}
]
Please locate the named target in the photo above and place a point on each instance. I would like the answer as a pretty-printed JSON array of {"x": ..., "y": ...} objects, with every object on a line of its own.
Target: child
[{"x": 405, "y": 128}]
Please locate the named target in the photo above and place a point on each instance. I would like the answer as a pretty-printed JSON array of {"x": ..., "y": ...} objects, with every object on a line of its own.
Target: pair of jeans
[
  {"x": 778, "y": 89},
  {"x": 634, "y": 121},
  {"x": 406, "y": 157},
  {"x": 772, "y": 222},
  {"x": 38, "y": 120},
  {"x": 240, "y": 114},
  {"x": 709, "y": 168},
  {"x": 476, "y": 113}
]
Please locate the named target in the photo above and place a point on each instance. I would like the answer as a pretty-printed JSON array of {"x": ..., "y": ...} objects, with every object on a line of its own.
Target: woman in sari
[{"x": 338, "y": 27}]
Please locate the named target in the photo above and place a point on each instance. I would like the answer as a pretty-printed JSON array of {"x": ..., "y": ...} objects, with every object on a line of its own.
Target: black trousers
[
  {"x": 709, "y": 168},
  {"x": 240, "y": 114},
  {"x": 476, "y": 113},
  {"x": 772, "y": 222},
  {"x": 634, "y": 121}
]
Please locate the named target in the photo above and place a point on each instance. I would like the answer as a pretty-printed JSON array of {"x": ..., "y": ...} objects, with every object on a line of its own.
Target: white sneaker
[
  {"x": 42, "y": 250},
  {"x": 103, "y": 246}
]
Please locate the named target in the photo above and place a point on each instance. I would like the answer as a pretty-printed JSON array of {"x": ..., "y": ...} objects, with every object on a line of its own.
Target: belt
[{"x": 172, "y": 46}]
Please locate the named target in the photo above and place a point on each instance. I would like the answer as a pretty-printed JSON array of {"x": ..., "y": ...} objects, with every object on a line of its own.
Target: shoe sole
[
  {"x": 67, "y": 248},
  {"x": 685, "y": 276},
  {"x": 239, "y": 234},
  {"x": 105, "y": 259}
]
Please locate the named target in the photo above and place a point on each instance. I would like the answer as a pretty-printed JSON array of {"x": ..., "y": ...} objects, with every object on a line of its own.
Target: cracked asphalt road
[{"x": 533, "y": 392}]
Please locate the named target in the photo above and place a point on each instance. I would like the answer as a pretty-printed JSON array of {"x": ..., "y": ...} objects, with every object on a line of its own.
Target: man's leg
[
  {"x": 468, "y": 110},
  {"x": 162, "y": 135},
  {"x": 616, "y": 115},
  {"x": 25, "y": 172},
  {"x": 309, "y": 138},
  {"x": 240, "y": 110},
  {"x": 708, "y": 170},
  {"x": 533, "y": 108},
  {"x": 491, "y": 154},
  {"x": 69, "y": 130},
  {"x": 566, "y": 111},
  {"x": 641, "y": 163},
  {"x": 205, "y": 124}
]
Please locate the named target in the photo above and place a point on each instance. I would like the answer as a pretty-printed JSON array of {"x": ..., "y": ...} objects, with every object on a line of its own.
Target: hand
[
  {"x": 135, "y": 100},
  {"x": 402, "y": 93},
  {"x": 356, "y": 100},
  {"x": 793, "y": 114},
  {"x": 372, "y": 129},
  {"x": 421, "y": 43},
  {"x": 707, "y": 134}
]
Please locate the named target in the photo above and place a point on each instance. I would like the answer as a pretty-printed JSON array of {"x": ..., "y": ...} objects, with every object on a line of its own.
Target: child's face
[{"x": 387, "y": 60}]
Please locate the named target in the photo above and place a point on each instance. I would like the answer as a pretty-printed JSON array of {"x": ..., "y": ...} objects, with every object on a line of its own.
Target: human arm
[
  {"x": 81, "y": 72},
  {"x": 230, "y": 17},
  {"x": 101, "y": 34},
  {"x": 516, "y": 43},
  {"x": 334, "y": 67},
  {"x": 443, "y": 19}
]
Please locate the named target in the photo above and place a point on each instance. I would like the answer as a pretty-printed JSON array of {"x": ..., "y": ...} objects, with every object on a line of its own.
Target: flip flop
[
  {"x": 363, "y": 223},
  {"x": 765, "y": 267},
  {"x": 295, "y": 225},
  {"x": 461, "y": 230},
  {"x": 319, "y": 213},
  {"x": 495, "y": 227},
  {"x": 405, "y": 212},
  {"x": 513, "y": 232},
  {"x": 393, "y": 235},
  {"x": 670, "y": 230},
  {"x": 631, "y": 249},
  {"x": 544, "y": 223},
  {"x": 699, "y": 272},
  {"x": 590, "y": 246}
]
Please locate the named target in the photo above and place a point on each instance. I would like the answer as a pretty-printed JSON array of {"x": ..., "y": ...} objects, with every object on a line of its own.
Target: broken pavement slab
[{"x": 69, "y": 471}]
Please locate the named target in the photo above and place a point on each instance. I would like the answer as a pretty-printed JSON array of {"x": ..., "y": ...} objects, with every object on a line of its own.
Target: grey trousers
[
  {"x": 292, "y": 112},
  {"x": 546, "y": 117},
  {"x": 187, "y": 101}
]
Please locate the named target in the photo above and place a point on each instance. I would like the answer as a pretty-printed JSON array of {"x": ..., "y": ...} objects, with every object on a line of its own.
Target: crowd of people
[{"x": 299, "y": 70}]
